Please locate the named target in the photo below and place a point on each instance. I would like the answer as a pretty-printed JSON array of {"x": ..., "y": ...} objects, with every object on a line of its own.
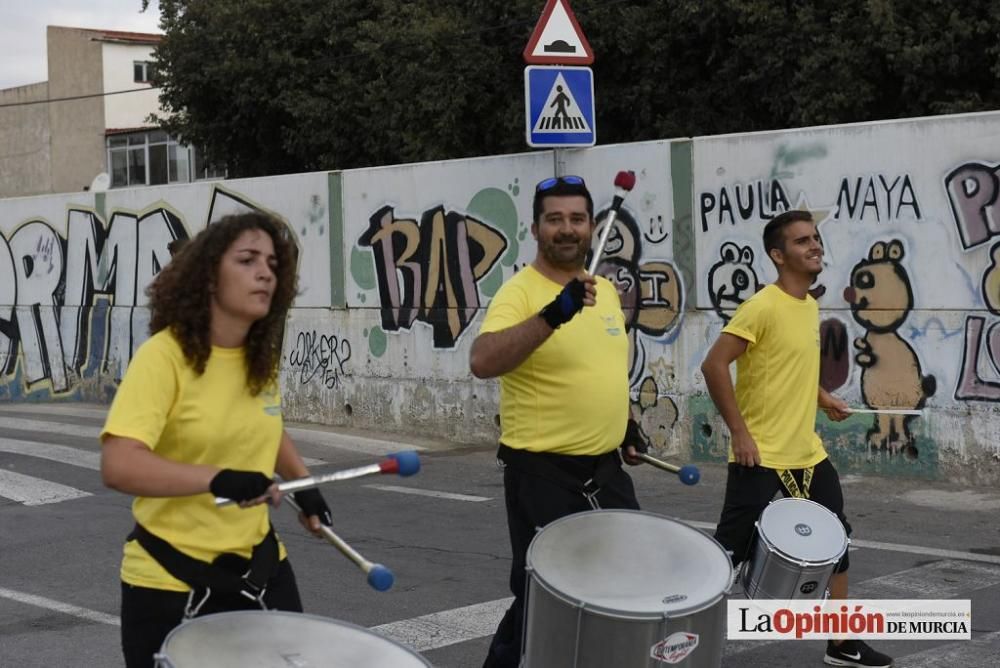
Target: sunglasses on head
[{"x": 551, "y": 183}]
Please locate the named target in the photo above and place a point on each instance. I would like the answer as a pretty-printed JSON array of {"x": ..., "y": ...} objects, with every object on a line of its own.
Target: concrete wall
[
  {"x": 131, "y": 110},
  {"x": 76, "y": 126},
  {"x": 399, "y": 262},
  {"x": 24, "y": 142}
]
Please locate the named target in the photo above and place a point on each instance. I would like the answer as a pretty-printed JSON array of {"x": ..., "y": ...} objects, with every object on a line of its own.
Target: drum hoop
[
  {"x": 283, "y": 613},
  {"x": 614, "y": 613},
  {"x": 771, "y": 547}
]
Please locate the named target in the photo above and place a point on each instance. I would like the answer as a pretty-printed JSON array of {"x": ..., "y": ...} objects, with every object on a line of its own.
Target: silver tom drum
[
  {"x": 272, "y": 639},
  {"x": 798, "y": 546},
  {"x": 624, "y": 588}
]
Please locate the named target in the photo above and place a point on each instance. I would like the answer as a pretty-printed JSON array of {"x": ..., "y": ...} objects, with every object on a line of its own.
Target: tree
[{"x": 271, "y": 87}]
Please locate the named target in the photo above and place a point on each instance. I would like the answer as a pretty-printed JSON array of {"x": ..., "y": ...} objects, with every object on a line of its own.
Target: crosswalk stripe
[
  {"x": 56, "y": 453},
  {"x": 429, "y": 492},
  {"x": 981, "y": 651},
  {"x": 440, "y": 629},
  {"x": 370, "y": 446},
  {"x": 940, "y": 579},
  {"x": 59, "y": 606},
  {"x": 68, "y": 410},
  {"x": 45, "y": 426},
  {"x": 32, "y": 491}
]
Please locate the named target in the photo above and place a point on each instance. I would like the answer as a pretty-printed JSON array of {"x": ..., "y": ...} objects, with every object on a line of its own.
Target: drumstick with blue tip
[
  {"x": 402, "y": 463},
  {"x": 688, "y": 474},
  {"x": 380, "y": 578}
]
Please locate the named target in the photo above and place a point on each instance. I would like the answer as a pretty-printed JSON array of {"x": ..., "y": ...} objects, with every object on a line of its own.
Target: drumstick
[
  {"x": 688, "y": 474},
  {"x": 404, "y": 463},
  {"x": 380, "y": 578},
  {"x": 624, "y": 182},
  {"x": 887, "y": 411}
]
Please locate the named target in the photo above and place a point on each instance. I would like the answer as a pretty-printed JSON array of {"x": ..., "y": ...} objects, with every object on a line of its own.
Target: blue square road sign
[{"x": 559, "y": 106}]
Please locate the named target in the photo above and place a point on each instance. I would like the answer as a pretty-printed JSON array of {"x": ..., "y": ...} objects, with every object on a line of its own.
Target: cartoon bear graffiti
[
  {"x": 881, "y": 298},
  {"x": 732, "y": 281}
]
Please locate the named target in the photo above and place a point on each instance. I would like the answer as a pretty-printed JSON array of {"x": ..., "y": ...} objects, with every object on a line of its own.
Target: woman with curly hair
[{"x": 198, "y": 415}]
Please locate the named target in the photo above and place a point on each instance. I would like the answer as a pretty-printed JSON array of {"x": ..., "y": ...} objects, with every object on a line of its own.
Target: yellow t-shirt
[
  {"x": 777, "y": 378},
  {"x": 570, "y": 395},
  {"x": 208, "y": 419}
]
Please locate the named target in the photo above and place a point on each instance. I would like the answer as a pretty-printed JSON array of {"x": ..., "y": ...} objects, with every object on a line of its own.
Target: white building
[{"x": 92, "y": 116}]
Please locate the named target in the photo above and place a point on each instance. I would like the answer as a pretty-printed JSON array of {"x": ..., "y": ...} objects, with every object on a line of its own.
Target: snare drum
[
  {"x": 272, "y": 639},
  {"x": 624, "y": 588},
  {"x": 798, "y": 545}
]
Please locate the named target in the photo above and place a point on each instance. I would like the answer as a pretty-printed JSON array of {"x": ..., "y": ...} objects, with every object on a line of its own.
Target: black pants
[
  {"x": 750, "y": 489},
  {"x": 532, "y": 502},
  {"x": 149, "y": 615}
]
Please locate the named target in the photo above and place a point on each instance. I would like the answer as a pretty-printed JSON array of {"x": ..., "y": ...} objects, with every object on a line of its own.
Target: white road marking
[
  {"x": 25, "y": 424},
  {"x": 71, "y": 410},
  {"x": 430, "y": 492},
  {"x": 330, "y": 439},
  {"x": 939, "y": 579},
  {"x": 981, "y": 651},
  {"x": 440, "y": 629},
  {"x": 59, "y": 606},
  {"x": 893, "y": 547},
  {"x": 56, "y": 453},
  {"x": 32, "y": 491}
]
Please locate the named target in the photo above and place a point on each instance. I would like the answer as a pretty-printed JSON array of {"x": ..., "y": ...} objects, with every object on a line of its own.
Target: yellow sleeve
[
  {"x": 749, "y": 321},
  {"x": 509, "y": 307},
  {"x": 146, "y": 394}
]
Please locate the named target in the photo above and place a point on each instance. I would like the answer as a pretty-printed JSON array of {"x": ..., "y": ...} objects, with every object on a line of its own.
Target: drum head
[
  {"x": 627, "y": 563},
  {"x": 280, "y": 639},
  {"x": 803, "y": 530}
]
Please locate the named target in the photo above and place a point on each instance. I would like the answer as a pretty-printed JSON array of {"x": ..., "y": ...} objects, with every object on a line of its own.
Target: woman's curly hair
[{"x": 180, "y": 296}]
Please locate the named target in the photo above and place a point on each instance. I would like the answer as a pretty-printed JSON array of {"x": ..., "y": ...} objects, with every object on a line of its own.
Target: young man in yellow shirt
[
  {"x": 556, "y": 337},
  {"x": 771, "y": 414}
]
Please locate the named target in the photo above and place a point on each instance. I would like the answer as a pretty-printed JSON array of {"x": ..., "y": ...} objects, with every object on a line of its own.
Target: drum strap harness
[
  {"x": 218, "y": 575},
  {"x": 559, "y": 469},
  {"x": 788, "y": 480}
]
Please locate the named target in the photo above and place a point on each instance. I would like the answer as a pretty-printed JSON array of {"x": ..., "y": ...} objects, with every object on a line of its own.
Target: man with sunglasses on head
[{"x": 555, "y": 336}]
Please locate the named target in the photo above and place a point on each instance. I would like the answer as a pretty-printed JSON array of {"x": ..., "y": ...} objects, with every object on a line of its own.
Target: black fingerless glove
[
  {"x": 567, "y": 304},
  {"x": 239, "y": 485},
  {"x": 312, "y": 503},
  {"x": 634, "y": 437}
]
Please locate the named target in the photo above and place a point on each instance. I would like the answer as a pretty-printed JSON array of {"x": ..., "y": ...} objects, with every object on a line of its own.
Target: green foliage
[{"x": 272, "y": 86}]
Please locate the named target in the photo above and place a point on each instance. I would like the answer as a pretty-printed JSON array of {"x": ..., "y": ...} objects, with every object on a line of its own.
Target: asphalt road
[{"x": 443, "y": 534}]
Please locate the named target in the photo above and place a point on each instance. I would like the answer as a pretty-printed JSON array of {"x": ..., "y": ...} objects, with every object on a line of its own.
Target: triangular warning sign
[
  {"x": 561, "y": 112},
  {"x": 557, "y": 38}
]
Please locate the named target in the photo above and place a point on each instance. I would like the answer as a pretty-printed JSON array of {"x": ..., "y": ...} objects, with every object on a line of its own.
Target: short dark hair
[
  {"x": 562, "y": 189},
  {"x": 774, "y": 231}
]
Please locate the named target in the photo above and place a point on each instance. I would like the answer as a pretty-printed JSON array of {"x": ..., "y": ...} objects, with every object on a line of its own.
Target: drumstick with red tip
[
  {"x": 380, "y": 578},
  {"x": 402, "y": 463},
  {"x": 688, "y": 474},
  {"x": 624, "y": 182}
]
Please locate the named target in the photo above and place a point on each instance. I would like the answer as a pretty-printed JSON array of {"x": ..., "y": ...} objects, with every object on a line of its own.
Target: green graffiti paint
[
  {"x": 844, "y": 441},
  {"x": 494, "y": 206},
  {"x": 363, "y": 269},
  {"x": 377, "y": 342},
  {"x": 787, "y": 157}
]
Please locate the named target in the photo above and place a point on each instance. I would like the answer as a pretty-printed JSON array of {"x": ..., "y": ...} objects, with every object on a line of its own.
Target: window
[
  {"x": 153, "y": 158},
  {"x": 143, "y": 70}
]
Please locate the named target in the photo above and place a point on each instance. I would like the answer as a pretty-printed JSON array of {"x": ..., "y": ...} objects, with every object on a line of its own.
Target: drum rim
[
  {"x": 286, "y": 613},
  {"x": 615, "y": 613},
  {"x": 771, "y": 546}
]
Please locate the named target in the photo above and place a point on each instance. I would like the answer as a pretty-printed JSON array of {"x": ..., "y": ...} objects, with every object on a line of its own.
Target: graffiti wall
[
  {"x": 74, "y": 269},
  {"x": 397, "y": 265},
  {"x": 906, "y": 212}
]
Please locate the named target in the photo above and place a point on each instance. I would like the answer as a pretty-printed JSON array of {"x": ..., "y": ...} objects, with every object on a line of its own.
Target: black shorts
[{"x": 750, "y": 489}]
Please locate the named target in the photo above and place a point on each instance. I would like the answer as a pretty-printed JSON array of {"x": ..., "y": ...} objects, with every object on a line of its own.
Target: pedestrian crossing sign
[{"x": 559, "y": 106}]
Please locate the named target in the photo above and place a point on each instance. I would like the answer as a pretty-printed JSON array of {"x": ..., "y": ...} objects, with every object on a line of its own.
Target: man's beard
[{"x": 563, "y": 258}]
